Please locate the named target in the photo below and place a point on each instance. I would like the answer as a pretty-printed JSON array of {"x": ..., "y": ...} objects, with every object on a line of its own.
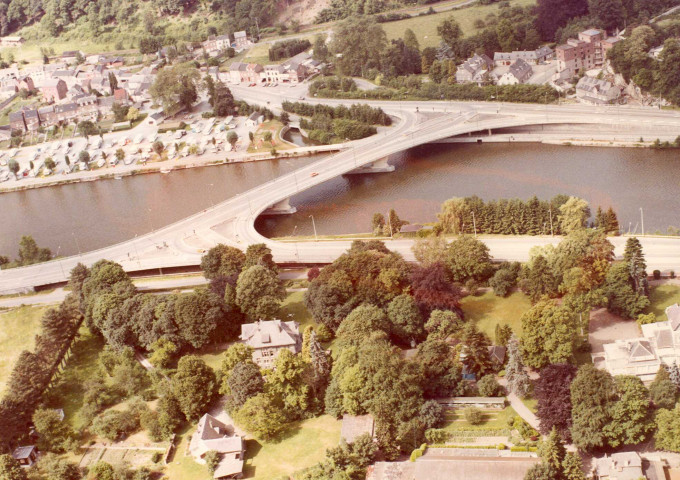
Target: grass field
[
  {"x": 662, "y": 296},
  {"x": 425, "y": 27},
  {"x": 82, "y": 365},
  {"x": 260, "y": 145},
  {"x": 303, "y": 445},
  {"x": 14, "y": 105},
  {"x": 488, "y": 310},
  {"x": 17, "y": 333},
  {"x": 493, "y": 420}
]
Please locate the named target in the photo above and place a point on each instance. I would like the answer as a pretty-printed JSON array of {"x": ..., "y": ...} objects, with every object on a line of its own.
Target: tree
[
  {"x": 14, "y": 167},
  {"x": 10, "y": 468},
  {"x": 84, "y": 157},
  {"x": 198, "y": 316},
  {"x": 550, "y": 334},
  {"x": 473, "y": 415},
  {"x": 193, "y": 386},
  {"x": 552, "y": 391},
  {"x": 489, "y": 387},
  {"x": 361, "y": 323},
  {"x": 101, "y": 471},
  {"x": 593, "y": 393},
  {"x": 132, "y": 115},
  {"x": 320, "y": 50},
  {"x": 609, "y": 14},
  {"x": 667, "y": 436},
  {"x": 574, "y": 214},
  {"x": 176, "y": 86},
  {"x": 54, "y": 433},
  {"x": 442, "y": 377},
  {"x": 169, "y": 414},
  {"x": 287, "y": 382},
  {"x": 515, "y": 373},
  {"x": 502, "y": 281},
  {"x": 622, "y": 299},
  {"x": 554, "y": 14},
  {"x": 267, "y": 137},
  {"x": 630, "y": 418},
  {"x": 87, "y": 128},
  {"x": 468, "y": 258},
  {"x": 30, "y": 253},
  {"x": 406, "y": 321},
  {"x": 541, "y": 471},
  {"x": 572, "y": 467},
  {"x": 442, "y": 324},
  {"x": 261, "y": 417},
  {"x": 476, "y": 350},
  {"x": 113, "y": 82},
  {"x": 663, "y": 391},
  {"x": 212, "y": 460},
  {"x": 232, "y": 138},
  {"x": 244, "y": 382},
  {"x": 410, "y": 39},
  {"x": 222, "y": 100},
  {"x": 53, "y": 467},
  {"x": 361, "y": 41},
  {"x": 114, "y": 425},
  {"x": 552, "y": 451},
  {"x": 450, "y": 32},
  {"x": 50, "y": 164},
  {"x": 222, "y": 260},
  {"x": 321, "y": 366},
  {"x": 634, "y": 257},
  {"x": 259, "y": 293},
  {"x": 260, "y": 254}
]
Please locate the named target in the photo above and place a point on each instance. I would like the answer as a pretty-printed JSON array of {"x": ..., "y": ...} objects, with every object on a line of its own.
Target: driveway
[{"x": 605, "y": 327}]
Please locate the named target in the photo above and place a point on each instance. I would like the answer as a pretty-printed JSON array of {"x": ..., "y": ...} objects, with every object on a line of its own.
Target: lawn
[
  {"x": 183, "y": 466},
  {"x": 260, "y": 145},
  {"x": 493, "y": 420},
  {"x": 259, "y": 53},
  {"x": 660, "y": 297},
  {"x": 303, "y": 445},
  {"x": 489, "y": 310},
  {"x": 81, "y": 366},
  {"x": 18, "y": 328},
  {"x": 425, "y": 27},
  {"x": 15, "y": 105}
]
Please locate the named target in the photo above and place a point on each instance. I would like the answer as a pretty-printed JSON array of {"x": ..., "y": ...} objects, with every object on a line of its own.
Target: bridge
[{"x": 182, "y": 244}]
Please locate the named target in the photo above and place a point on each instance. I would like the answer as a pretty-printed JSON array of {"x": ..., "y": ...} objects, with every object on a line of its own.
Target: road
[{"x": 232, "y": 222}]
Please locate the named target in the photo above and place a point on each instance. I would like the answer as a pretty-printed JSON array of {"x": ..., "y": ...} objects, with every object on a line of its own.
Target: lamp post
[
  {"x": 316, "y": 238},
  {"x": 642, "y": 221},
  {"x": 77, "y": 244}
]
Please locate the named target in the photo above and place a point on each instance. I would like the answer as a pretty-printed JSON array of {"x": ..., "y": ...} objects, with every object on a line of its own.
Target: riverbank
[{"x": 167, "y": 166}]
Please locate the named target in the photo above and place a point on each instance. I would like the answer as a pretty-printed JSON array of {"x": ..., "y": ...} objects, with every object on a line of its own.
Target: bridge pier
[
  {"x": 281, "y": 208},
  {"x": 379, "y": 166}
]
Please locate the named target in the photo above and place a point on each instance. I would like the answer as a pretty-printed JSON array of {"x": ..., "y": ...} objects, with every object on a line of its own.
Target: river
[{"x": 90, "y": 215}]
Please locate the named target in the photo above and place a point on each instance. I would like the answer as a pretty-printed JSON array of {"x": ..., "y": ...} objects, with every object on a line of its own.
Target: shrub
[
  {"x": 672, "y": 274},
  {"x": 473, "y": 415},
  {"x": 500, "y": 446},
  {"x": 656, "y": 274},
  {"x": 436, "y": 435},
  {"x": 323, "y": 333},
  {"x": 156, "y": 457},
  {"x": 489, "y": 387}
]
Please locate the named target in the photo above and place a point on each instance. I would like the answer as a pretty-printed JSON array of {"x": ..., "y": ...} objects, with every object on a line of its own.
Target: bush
[
  {"x": 489, "y": 387},
  {"x": 672, "y": 273},
  {"x": 323, "y": 333},
  {"x": 115, "y": 425},
  {"x": 500, "y": 446},
  {"x": 473, "y": 415},
  {"x": 156, "y": 457},
  {"x": 656, "y": 274},
  {"x": 436, "y": 436}
]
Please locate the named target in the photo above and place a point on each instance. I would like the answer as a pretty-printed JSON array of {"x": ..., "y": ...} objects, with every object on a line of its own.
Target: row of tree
[{"x": 29, "y": 251}]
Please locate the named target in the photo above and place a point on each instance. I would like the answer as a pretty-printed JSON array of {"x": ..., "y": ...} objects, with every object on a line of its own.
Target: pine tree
[
  {"x": 306, "y": 339},
  {"x": 518, "y": 380},
  {"x": 611, "y": 221},
  {"x": 635, "y": 259},
  {"x": 572, "y": 467},
  {"x": 321, "y": 366},
  {"x": 552, "y": 450},
  {"x": 675, "y": 374},
  {"x": 599, "y": 219}
]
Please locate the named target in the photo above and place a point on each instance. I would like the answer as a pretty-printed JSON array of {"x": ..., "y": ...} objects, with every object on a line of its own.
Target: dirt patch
[{"x": 605, "y": 327}]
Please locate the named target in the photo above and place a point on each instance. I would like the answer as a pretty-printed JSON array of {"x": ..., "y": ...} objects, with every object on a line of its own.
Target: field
[
  {"x": 17, "y": 333},
  {"x": 260, "y": 145},
  {"x": 16, "y": 104},
  {"x": 304, "y": 444},
  {"x": 662, "y": 296},
  {"x": 493, "y": 420},
  {"x": 425, "y": 27},
  {"x": 488, "y": 310}
]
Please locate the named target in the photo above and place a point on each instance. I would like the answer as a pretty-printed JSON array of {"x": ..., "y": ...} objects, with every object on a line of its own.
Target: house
[
  {"x": 54, "y": 90},
  {"x": 121, "y": 96},
  {"x": 474, "y": 69},
  {"x": 215, "y": 44},
  {"x": 253, "y": 73},
  {"x": 12, "y": 41},
  {"x": 16, "y": 121},
  {"x": 66, "y": 112},
  {"x": 642, "y": 356},
  {"x": 596, "y": 92},
  {"x": 68, "y": 76},
  {"x": 47, "y": 115},
  {"x": 533, "y": 57},
  {"x": 236, "y": 72},
  {"x": 268, "y": 338},
  {"x": 519, "y": 72},
  {"x": 25, "y": 83},
  {"x": 155, "y": 118},
  {"x": 214, "y": 435},
  {"x": 254, "y": 119},
  {"x": 241, "y": 40},
  {"x": 585, "y": 53},
  {"x": 354, "y": 426},
  {"x": 274, "y": 73},
  {"x": 619, "y": 466},
  {"x": 32, "y": 119},
  {"x": 497, "y": 403},
  {"x": 26, "y": 456},
  {"x": 497, "y": 354}
]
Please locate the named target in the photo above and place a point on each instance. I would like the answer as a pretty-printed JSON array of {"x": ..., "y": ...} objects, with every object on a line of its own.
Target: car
[
  {"x": 302, "y": 98},
  {"x": 313, "y": 174}
]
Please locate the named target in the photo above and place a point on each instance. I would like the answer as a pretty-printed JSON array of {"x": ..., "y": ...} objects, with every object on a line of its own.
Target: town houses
[
  {"x": 587, "y": 52},
  {"x": 294, "y": 70}
]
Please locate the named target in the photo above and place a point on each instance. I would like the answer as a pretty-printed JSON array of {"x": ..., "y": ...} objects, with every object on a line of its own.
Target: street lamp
[
  {"x": 642, "y": 221},
  {"x": 77, "y": 244},
  {"x": 316, "y": 238}
]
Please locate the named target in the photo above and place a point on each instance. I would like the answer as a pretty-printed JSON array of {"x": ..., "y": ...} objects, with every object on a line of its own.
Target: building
[
  {"x": 585, "y": 53},
  {"x": 54, "y": 90},
  {"x": 32, "y": 120},
  {"x": 214, "y": 435},
  {"x": 12, "y": 41},
  {"x": 642, "y": 356},
  {"x": 255, "y": 119},
  {"x": 16, "y": 121},
  {"x": 241, "y": 40},
  {"x": 474, "y": 69},
  {"x": 354, "y": 426},
  {"x": 26, "y": 456},
  {"x": 215, "y": 44},
  {"x": 519, "y": 72},
  {"x": 596, "y": 92},
  {"x": 534, "y": 57},
  {"x": 25, "y": 83},
  {"x": 236, "y": 72},
  {"x": 619, "y": 466},
  {"x": 268, "y": 338},
  {"x": 497, "y": 403}
]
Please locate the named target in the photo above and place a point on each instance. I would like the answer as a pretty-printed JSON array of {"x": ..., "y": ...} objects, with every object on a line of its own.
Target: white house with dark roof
[
  {"x": 268, "y": 338},
  {"x": 26, "y": 456},
  {"x": 535, "y": 57},
  {"x": 642, "y": 357},
  {"x": 619, "y": 466},
  {"x": 519, "y": 72},
  {"x": 474, "y": 69},
  {"x": 596, "y": 91},
  {"x": 214, "y": 435}
]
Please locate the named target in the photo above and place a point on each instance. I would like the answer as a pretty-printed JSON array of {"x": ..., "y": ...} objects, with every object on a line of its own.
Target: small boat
[
  {"x": 117, "y": 177},
  {"x": 166, "y": 169}
]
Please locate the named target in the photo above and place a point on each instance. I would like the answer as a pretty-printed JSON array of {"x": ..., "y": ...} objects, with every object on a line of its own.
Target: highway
[{"x": 232, "y": 221}]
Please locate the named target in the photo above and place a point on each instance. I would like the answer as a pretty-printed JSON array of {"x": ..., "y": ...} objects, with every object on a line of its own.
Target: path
[{"x": 523, "y": 411}]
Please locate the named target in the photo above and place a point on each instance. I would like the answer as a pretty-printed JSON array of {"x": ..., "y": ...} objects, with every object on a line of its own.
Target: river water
[{"x": 95, "y": 214}]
